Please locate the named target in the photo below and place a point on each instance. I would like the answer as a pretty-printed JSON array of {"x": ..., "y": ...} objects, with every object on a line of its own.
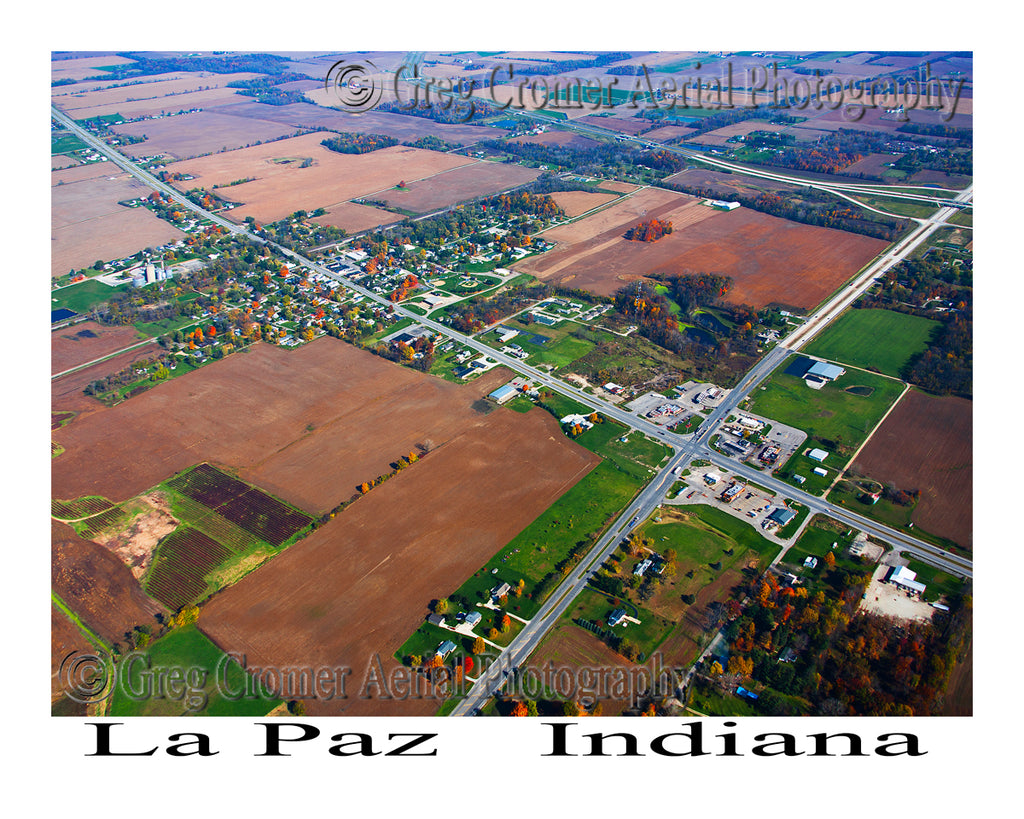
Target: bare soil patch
[
  {"x": 872, "y": 165},
  {"x": 401, "y": 126},
  {"x": 668, "y": 132},
  {"x": 624, "y": 125},
  {"x": 570, "y": 647},
  {"x": 721, "y": 136},
  {"x": 355, "y": 218},
  {"x": 926, "y": 443},
  {"x": 364, "y": 413},
  {"x": 155, "y": 106},
  {"x": 78, "y": 68},
  {"x": 180, "y": 85},
  {"x": 65, "y": 640},
  {"x": 136, "y": 543},
  {"x": 112, "y": 236},
  {"x": 771, "y": 260},
  {"x": 558, "y": 138}
]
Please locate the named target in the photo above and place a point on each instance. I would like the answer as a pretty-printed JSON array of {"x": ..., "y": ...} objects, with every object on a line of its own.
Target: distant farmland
[
  {"x": 282, "y": 185},
  {"x": 875, "y": 339}
]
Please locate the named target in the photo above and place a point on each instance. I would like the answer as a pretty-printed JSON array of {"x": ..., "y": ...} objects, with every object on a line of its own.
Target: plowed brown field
[
  {"x": 458, "y": 185},
  {"x": 354, "y": 590},
  {"x": 83, "y": 342},
  {"x": 97, "y": 586},
  {"x": 771, "y": 260},
  {"x": 281, "y": 186},
  {"x": 925, "y": 444}
]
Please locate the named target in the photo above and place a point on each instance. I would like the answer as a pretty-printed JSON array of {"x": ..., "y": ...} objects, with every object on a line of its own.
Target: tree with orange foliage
[
  {"x": 506, "y": 623},
  {"x": 519, "y": 709}
]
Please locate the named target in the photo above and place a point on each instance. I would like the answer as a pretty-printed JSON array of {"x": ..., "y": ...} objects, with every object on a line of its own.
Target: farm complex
[{"x": 454, "y": 408}]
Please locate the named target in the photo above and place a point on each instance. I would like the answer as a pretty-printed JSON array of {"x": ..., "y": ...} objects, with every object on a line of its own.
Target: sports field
[{"x": 883, "y": 340}]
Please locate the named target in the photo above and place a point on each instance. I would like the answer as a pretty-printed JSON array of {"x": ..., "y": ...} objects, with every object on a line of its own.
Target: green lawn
[
  {"x": 872, "y": 338},
  {"x": 167, "y": 325},
  {"x": 830, "y": 414},
  {"x": 800, "y": 464},
  {"x": 212, "y": 684},
  {"x": 707, "y": 535},
  {"x": 84, "y": 295},
  {"x": 595, "y": 606}
]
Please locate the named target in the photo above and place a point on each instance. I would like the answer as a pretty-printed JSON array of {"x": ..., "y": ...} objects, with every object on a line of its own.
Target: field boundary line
[
  {"x": 101, "y": 359},
  {"x": 839, "y": 475},
  {"x": 92, "y": 636}
]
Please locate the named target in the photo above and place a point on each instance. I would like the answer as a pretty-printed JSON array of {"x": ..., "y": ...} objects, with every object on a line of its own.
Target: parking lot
[{"x": 752, "y": 505}]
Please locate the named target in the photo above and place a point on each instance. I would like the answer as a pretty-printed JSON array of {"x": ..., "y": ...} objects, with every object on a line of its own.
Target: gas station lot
[
  {"x": 759, "y": 441},
  {"x": 751, "y": 504}
]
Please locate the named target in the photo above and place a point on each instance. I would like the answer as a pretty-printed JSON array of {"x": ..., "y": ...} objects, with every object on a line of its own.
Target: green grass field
[
  {"x": 831, "y": 413},
  {"x": 84, "y": 295},
  {"x": 64, "y": 143},
  {"x": 211, "y": 683},
  {"x": 872, "y": 338}
]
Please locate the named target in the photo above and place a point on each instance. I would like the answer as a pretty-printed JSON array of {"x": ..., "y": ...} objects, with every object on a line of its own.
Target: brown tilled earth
[
  {"x": 79, "y": 343},
  {"x": 926, "y": 444},
  {"x": 771, "y": 260},
  {"x": 253, "y": 411},
  {"x": 281, "y": 186},
  {"x": 458, "y": 185},
  {"x": 569, "y": 647},
  {"x": 201, "y": 132},
  {"x": 97, "y": 586},
  {"x": 352, "y": 592},
  {"x": 576, "y": 202},
  {"x": 65, "y": 640}
]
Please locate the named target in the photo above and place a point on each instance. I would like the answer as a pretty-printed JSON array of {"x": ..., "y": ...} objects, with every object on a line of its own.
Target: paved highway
[{"x": 687, "y": 448}]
